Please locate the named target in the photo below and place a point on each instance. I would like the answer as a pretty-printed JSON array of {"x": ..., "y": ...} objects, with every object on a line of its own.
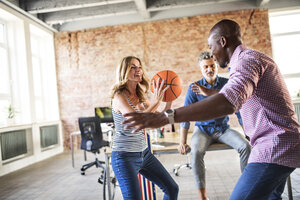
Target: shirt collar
[
  {"x": 205, "y": 83},
  {"x": 235, "y": 56}
]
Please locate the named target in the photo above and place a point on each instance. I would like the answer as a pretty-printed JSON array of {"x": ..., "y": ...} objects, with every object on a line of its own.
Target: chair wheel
[
  {"x": 175, "y": 171},
  {"x": 100, "y": 181},
  {"x": 113, "y": 180}
]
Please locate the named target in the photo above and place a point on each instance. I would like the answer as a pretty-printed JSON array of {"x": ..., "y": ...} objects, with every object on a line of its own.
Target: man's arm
[
  {"x": 200, "y": 89},
  {"x": 183, "y": 148},
  {"x": 213, "y": 107},
  {"x": 190, "y": 98}
]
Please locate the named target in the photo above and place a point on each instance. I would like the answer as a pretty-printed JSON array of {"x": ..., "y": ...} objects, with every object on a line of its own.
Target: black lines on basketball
[{"x": 172, "y": 80}]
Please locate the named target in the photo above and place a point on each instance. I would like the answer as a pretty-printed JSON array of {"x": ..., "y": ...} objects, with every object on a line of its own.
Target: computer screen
[{"x": 105, "y": 114}]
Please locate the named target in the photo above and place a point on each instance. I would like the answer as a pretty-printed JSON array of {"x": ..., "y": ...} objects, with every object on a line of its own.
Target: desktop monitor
[{"x": 105, "y": 114}]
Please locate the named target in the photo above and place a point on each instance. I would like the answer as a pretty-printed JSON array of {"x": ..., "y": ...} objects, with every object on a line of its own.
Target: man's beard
[{"x": 210, "y": 78}]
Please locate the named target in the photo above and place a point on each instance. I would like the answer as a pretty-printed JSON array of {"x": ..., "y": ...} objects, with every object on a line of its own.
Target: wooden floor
[{"x": 56, "y": 179}]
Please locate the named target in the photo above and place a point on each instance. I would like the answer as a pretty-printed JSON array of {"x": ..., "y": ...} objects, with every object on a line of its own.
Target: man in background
[{"x": 211, "y": 131}]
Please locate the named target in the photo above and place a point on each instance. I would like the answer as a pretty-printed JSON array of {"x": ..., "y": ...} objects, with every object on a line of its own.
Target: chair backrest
[{"x": 91, "y": 133}]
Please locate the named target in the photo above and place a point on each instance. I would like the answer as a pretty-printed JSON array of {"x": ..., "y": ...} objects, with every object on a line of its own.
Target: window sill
[{"x": 296, "y": 100}]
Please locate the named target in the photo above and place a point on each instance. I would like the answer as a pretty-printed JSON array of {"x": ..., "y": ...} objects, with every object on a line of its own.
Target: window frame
[
  {"x": 4, "y": 45},
  {"x": 286, "y": 76},
  {"x": 41, "y": 96}
]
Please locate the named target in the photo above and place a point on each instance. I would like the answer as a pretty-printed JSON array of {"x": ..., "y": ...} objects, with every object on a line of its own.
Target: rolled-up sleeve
[
  {"x": 242, "y": 82},
  {"x": 185, "y": 125}
]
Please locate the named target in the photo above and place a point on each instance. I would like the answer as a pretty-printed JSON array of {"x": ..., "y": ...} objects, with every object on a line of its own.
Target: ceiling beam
[
  {"x": 61, "y": 17},
  {"x": 83, "y": 14},
  {"x": 142, "y": 8},
  {"x": 15, "y": 2},
  {"x": 42, "y": 6},
  {"x": 260, "y": 3},
  {"x": 167, "y": 4}
]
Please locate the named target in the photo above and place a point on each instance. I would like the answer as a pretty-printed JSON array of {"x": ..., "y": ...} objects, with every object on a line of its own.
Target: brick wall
[{"x": 87, "y": 60}]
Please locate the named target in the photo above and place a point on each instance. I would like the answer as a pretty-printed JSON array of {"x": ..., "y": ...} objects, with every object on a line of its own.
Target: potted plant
[{"x": 11, "y": 115}]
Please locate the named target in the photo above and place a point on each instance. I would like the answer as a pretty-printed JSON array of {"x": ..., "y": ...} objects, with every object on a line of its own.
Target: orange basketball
[{"x": 172, "y": 80}]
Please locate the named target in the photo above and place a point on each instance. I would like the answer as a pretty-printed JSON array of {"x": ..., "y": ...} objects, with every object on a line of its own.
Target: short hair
[
  {"x": 227, "y": 28},
  {"x": 205, "y": 55}
]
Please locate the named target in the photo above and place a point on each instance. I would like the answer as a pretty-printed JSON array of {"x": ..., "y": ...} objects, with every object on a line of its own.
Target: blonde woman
[{"x": 130, "y": 154}]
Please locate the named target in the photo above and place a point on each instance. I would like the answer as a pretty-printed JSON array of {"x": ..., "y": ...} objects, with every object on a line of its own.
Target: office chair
[
  {"x": 91, "y": 141},
  {"x": 187, "y": 164}
]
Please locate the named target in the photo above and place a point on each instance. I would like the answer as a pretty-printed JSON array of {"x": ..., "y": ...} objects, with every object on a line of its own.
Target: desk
[{"x": 172, "y": 148}]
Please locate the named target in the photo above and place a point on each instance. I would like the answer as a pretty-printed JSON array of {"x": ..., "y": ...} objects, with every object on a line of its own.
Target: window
[
  {"x": 5, "y": 97},
  {"x": 285, "y": 34},
  {"x": 2, "y": 33},
  {"x": 27, "y": 78},
  {"x": 28, "y": 86},
  {"x": 44, "y": 75}
]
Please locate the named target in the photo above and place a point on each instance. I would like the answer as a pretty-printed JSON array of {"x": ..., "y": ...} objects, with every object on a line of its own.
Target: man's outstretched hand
[
  {"x": 200, "y": 89},
  {"x": 144, "y": 120}
]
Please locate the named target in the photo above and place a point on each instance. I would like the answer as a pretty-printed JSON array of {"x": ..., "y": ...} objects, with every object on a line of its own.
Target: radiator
[
  {"x": 49, "y": 135},
  {"x": 13, "y": 144}
]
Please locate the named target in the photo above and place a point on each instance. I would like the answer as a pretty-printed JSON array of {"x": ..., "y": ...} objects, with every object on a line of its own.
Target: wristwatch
[{"x": 170, "y": 113}]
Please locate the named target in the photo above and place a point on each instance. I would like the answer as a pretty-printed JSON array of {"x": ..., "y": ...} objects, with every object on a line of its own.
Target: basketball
[{"x": 172, "y": 80}]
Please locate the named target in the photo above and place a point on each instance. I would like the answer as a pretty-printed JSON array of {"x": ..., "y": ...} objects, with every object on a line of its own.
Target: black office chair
[{"x": 91, "y": 141}]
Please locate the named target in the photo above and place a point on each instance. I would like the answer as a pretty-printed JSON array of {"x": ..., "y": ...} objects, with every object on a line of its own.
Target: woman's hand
[
  {"x": 158, "y": 93},
  {"x": 158, "y": 90}
]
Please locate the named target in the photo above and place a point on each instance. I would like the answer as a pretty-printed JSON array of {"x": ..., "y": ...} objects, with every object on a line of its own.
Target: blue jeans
[
  {"x": 126, "y": 165},
  {"x": 261, "y": 181}
]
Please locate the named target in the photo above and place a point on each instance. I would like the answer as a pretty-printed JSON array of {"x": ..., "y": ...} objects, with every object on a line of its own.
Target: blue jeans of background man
[
  {"x": 126, "y": 166},
  {"x": 200, "y": 142},
  {"x": 261, "y": 181}
]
